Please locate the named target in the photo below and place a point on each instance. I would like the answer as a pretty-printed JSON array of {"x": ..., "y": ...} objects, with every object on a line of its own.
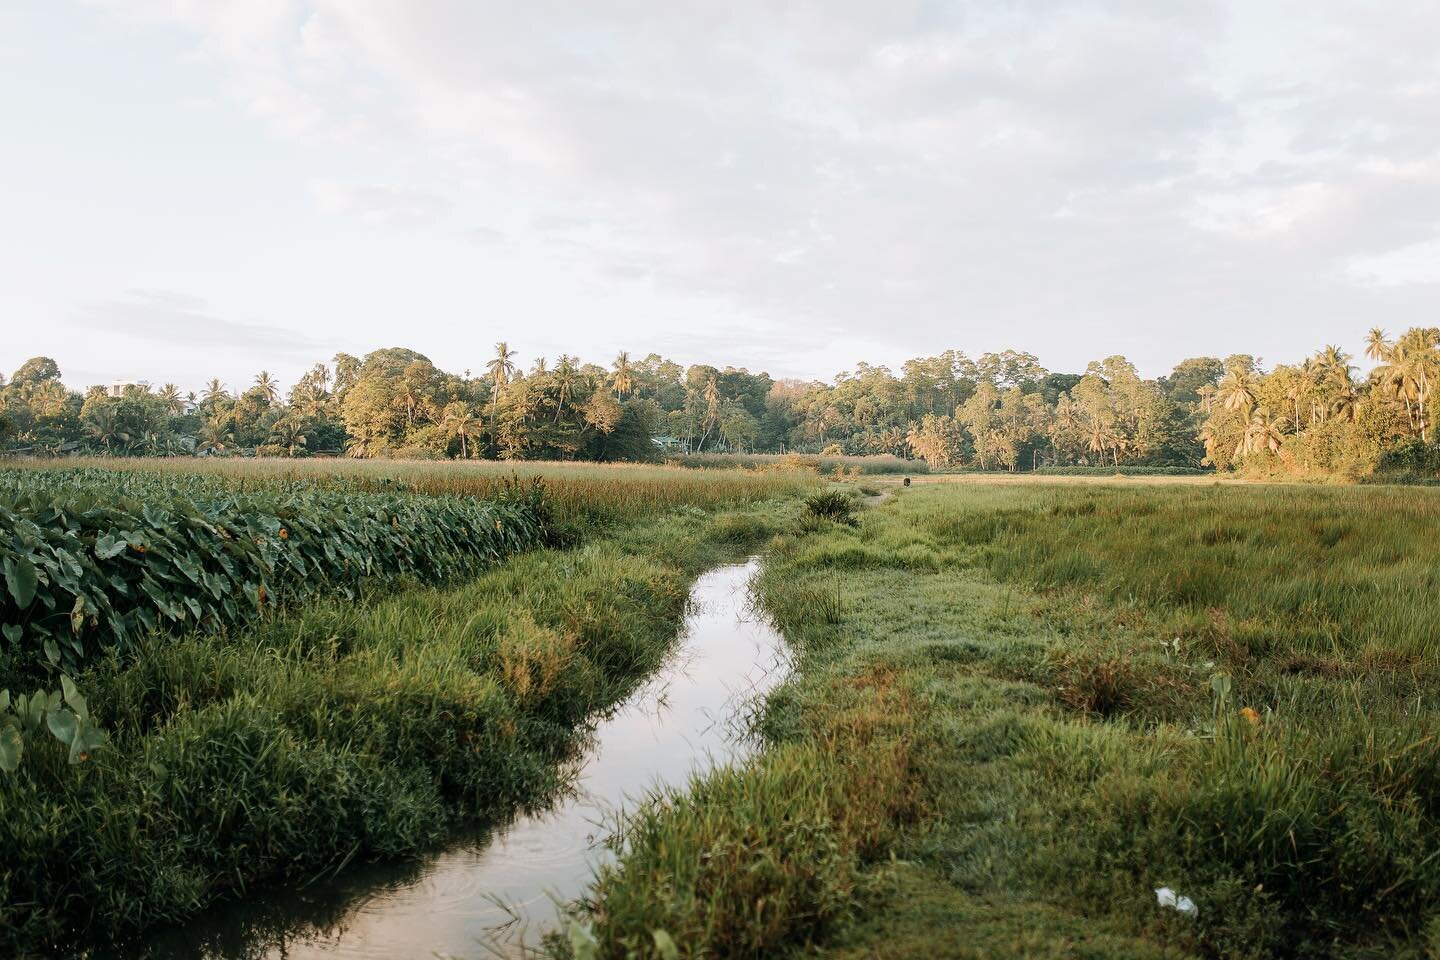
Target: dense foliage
[
  {"x": 1002, "y": 411},
  {"x": 92, "y": 559}
]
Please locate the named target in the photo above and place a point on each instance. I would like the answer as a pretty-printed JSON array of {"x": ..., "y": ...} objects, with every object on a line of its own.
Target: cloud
[
  {"x": 378, "y": 204},
  {"x": 1415, "y": 264},
  {"x": 182, "y": 320},
  {"x": 1043, "y": 172}
]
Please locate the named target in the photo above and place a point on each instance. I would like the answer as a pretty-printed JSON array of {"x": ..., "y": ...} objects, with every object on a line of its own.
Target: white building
[{"x": 117, "y": 388}]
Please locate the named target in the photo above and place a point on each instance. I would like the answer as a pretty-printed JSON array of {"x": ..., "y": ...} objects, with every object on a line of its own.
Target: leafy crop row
[{"x": 85, "y": 567}]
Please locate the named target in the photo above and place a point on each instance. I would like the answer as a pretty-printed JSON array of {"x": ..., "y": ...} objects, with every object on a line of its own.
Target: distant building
[{"x": 117, "y": 388}]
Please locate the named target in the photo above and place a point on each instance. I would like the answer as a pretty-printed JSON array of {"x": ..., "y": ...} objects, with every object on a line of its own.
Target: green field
[
  {"x": 1022, "y": 707},
  {"x": 1018, "y": 708}
]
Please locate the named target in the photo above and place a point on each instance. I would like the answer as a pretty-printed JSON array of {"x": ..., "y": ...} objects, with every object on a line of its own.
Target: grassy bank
[
  {"x": 340, "y": 731},
  {"x": 1045, "y": 701}
]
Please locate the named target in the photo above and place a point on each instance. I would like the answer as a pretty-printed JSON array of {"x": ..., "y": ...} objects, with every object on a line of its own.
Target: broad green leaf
[
  {"x": 12, "y": 745},
  {"x": 52, "y": 650},
  {"x": 63, "y": 724},
  {"x": 22, "y": 579},
  {"x": 73, "y": 697},
  {"x": 87, "y": 740},
  {"x": 13, "y": 632},
  {"x": 4, "y": 699}
]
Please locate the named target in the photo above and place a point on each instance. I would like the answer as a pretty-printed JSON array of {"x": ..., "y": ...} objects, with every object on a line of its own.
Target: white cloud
[
  {"x": 1414, "y": 264},
  {"x": 1082, "y": 177},
  {"x": 379, "y": 204}
]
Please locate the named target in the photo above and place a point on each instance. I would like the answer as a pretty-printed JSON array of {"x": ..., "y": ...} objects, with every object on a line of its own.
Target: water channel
[{"x": 492, "y": 894}]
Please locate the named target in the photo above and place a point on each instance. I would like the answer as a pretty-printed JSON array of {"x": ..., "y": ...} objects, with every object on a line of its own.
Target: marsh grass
[{"x": 1046, "y": 654}]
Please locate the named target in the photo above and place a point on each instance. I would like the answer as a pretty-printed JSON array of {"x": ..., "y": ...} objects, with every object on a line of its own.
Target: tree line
[{"x": 999, "y": 411}]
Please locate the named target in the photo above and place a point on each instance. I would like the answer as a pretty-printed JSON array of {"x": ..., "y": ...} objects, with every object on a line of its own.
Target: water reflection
[{"x": 494, "y": 892}]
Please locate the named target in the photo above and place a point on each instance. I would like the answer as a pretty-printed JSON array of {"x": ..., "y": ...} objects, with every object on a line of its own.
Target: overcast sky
[{"x": 197, "y": 188}]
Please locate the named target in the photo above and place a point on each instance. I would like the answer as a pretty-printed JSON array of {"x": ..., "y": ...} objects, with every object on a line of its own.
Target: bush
[{"x": 834, "y": 505}]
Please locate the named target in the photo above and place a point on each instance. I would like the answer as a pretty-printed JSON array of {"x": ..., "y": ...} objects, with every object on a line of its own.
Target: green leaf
[
  {"x": 52, "y": 650},
  {"x": 87, "y": 740},
  {"x": 12, "y": 632},
  {"x": 63, "y": 724},
  {"x": 22, "y": 579},
  {"x": 12, "y": 745},
  {"x": 4, "y": 699},
  {"x": 107, "y": 546},
  {"x": 73, "y": 697},
  {"x": 665, "y": 945}
]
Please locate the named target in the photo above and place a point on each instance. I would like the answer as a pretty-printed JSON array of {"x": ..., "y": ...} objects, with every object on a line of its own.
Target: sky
[{"x": 198, "y": 188}]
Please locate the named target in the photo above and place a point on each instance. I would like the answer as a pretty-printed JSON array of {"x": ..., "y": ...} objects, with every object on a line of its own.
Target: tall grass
[
  {"x": 583, "y": 494},
  {"x": 348, "y": 731},
  {"x": 829, "y": 464},
  {"x": 1056, "y": 649}
]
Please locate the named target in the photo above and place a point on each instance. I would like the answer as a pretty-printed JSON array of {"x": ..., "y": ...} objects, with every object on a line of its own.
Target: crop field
[
  {"x": 580, "y": 493},
  {"x": 222, "y": 675}
]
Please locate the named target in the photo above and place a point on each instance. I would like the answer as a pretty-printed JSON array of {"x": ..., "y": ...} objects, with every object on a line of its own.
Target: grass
[
  {"x": 584, "y": 494},
  {"x": 1006, "y": 730},
  {"x": 345, "y": 731},
  {"x": 829, "y": 464}
]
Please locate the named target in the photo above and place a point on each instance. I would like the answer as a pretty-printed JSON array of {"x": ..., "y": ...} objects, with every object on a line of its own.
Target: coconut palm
[
  {"x": 457, "y": 420},
  {"x": 214, "y": 392},
  {"x": 566, "y": 379},
  {"x": 290, "y": 435},
  {"x": 170, "y": 396},
  {"x": 268, "y": 386},
  {"x": 1262, "y": 433},
  {"x": 214, "y": 438},
  {"x": 1377, "y": 348},
  {"x": 501, "y": 369},
  {"x": 1237, "y": 390},
  {"x": 624, "y": 377}
]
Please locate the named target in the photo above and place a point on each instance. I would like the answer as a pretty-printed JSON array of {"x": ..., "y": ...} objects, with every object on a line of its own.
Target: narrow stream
[{"x": 493, "y": 893}]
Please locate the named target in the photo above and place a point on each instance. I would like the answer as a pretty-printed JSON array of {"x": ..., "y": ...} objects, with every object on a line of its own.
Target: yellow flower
[{"x": 1251, "y": 717}]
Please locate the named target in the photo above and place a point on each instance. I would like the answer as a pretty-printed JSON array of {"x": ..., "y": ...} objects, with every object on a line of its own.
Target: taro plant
[
  {"x": 83, "y": 568},
  {"x": 64, "y": 713}
]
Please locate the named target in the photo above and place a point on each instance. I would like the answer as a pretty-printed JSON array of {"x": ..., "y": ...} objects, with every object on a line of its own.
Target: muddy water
[{"x": 494, "y": 893}]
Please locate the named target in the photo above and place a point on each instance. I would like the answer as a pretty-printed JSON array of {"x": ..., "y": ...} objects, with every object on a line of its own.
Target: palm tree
[
  {"x": 170, "y": 396},
  {"x": 1377, "y": 348},
  {"x": 290, "y": 435},
  {"x": 1262, "y": 433},
  {"x": 214, "y": 392},
  {"x": 1237, "y": 390},
  {"x": 267, "y": 386},
  {"x": 104, "y": 426},
  {"x": 501, "y": 369},
  {"x": 623, "y": 378},
  {"x": 459, "y": 421},
  {"x": 540, "y": 368},
  {"x": 214, "y": 438},
  {"x": 566, "y": 379}
]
